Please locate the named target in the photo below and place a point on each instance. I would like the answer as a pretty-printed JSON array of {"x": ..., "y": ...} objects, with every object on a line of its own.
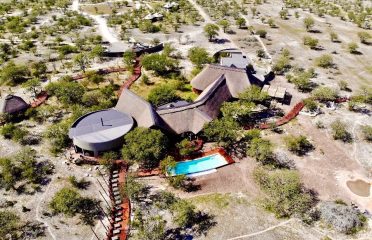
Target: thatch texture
[
  {"x": 237, "y": 79},
  {"x": 13, "y": 104}
]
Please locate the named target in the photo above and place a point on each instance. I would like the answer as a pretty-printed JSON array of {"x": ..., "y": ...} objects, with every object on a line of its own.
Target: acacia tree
[
  {"x": 211, "y": 30},
  {"x": 309, "y": 23},
  {"x": 225, "y": 24},
  {"x": 240, "y": 22},
  {"x": 145, "y": 146},
  {"x": 199, "y": 56}
]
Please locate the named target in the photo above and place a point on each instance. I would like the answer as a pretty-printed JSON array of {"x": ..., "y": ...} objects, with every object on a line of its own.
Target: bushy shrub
[
  {"x": 162, "y": 94},
  {"x": 298, "y": 145},
  {"x": 367, "y": 132},
  {"x": 324, "y": 61},
  {"x": 343, "y": 218},
  {"x": 68, "y": 201},
  {"x": 324, "y": 94},
  {"x": 339, "y": 131},
  {"x": 261, "y": 150},
  {"x": 145, "y": 146},
  {"x": 285, "y": 193}
]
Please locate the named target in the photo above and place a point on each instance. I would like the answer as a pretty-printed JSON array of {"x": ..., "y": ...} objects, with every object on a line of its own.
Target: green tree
[
  {"x": 225, "y": 24},
  {"x": 334, "y": 37},
  {"x": 12, "y": 74},
  {"x": 310, "y": 104},
  {"x": 262, "y": 33},
  {"x": 285, "y": 193},
  {"x": 145, "y": 146},
  {"x": 162, "y": 94},
  {"x": 199, "y": 56},
  {"x": 309, "y": 23},
  {"x": 65, "y": 201},
  {"x": 254, "y": 94},
  {"x": 159, "y": 63},
  {"x": 324, "y": 94},
  {"x": 339, "y": 131},
  {"x": 153, "y": 228},
  {"x": 129, "y": 58},
  {"x": 367, "y": 132},
  {"x": 32, "y": 85},
  {"x": 224, "y": 130},
  {"x": 211, "y": 30},
  {"x": 186, "y": 147},
  {"x": 167, "y": 163},
  {"x": 353, "y": 47},
  {"x": 9, "y": 174},
  {"x": 82, "y": 61},
  {"x": 311, "y": 42},
  {"x": 183, "y": 213},
  {"x": 97, "y": 52},
  {"x": 66, "y": 92},
  {"x": 9, "y": 224},
  {"x": 261, "y": 150},
  {"x": 240, "y": 22},
  {"x": 364, "y": 37},
  {"x": 132, "y": 188},
  {"x": 298, "y": 145}
]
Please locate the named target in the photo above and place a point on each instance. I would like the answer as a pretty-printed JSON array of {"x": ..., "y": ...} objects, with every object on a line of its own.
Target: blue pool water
[{"x": 198, "y": 165}]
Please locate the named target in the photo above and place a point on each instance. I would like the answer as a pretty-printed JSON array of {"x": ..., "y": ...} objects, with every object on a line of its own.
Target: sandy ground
[{"x": 107, "y": 33}]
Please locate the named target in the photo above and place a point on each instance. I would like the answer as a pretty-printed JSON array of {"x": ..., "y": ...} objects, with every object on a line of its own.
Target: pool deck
[{"x": 219, "y": 150}]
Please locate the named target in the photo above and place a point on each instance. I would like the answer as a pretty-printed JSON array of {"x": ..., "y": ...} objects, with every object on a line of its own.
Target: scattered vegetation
[
  {"x": 339, "y": 131},
  {"x": 299, "y": 145},
  {"x": 69, "y": 202}
]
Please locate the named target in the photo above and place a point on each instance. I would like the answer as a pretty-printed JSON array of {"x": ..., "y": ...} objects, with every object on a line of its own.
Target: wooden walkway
[
  {"x": 137, "y": 72},
  {"x": 40, "y": 99},
  {"x": 120, "y": 212},
  {"x": 288, "y": 117}
]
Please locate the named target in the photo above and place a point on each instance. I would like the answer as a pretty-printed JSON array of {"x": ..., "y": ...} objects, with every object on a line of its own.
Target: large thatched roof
[
  {"x": 236, "y": 79},
  {"x": 141, "y": 110},
  {"x": 178, "y": 118},
  {"x": 192, "y": 117},
  {"x": 13, "y": 104}
]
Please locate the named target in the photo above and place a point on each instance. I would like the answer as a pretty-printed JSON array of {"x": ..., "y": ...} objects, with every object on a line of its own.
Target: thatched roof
[
  {"x": 237, "y": 79},
  {"x": 192, "y": 117},
  {"x": 178, "y": 118},
  {"x": 13, "y": 104},
  {"x": 141, "y": 110}
]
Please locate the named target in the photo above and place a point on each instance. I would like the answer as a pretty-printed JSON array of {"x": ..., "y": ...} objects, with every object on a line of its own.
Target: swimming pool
[{"x": 198, "y": 165}]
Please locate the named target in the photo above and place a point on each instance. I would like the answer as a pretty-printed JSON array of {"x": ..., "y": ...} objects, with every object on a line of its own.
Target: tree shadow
[
  {"x": 356, "y": 52},
  {"x": 201, "y": 223},
  {"x": 315, "y": 31}
]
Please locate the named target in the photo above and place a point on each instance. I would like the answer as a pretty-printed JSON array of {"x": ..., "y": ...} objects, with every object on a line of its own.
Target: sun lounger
[
  {"x": 114, "y": 185},
  {"x": 117, "y": 225},
  {"x": 116, "y": 231},
  {"x": 115, "y": 238},
  {"x": 118, "y": 202},
  {"x": 115, "y": 172},
  {"x": 118, "y": 214},
  {"x": 115, "y": 176},
  {"x": 118, "y": 219},
  {"x": 115, "y": 189}
]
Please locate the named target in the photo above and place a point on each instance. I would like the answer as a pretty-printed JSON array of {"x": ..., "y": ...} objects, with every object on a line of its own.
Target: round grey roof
[{"x": 100, "y": 127}]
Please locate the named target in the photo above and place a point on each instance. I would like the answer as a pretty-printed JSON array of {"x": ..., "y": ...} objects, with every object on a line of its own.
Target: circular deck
[{"x": 101, "y": 130}]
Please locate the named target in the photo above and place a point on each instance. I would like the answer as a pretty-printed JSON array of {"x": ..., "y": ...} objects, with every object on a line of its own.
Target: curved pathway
[
  {"x": 105, "y": 31},
  {"x": 263, "y": 231}
]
